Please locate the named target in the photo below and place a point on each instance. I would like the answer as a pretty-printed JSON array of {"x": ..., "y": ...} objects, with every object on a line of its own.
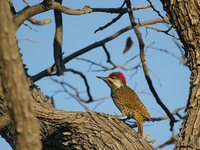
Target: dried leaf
[{"x": 129, "y": 43}]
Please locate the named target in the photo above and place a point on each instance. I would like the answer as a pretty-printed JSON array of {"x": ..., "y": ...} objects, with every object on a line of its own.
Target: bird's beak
[{"x": 103, "y": 78}]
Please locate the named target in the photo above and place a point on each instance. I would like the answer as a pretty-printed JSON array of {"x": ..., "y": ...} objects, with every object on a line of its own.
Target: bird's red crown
[{"x": 119, "y": 75}]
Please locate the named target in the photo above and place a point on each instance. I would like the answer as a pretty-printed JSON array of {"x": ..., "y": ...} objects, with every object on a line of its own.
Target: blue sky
[{"x": 170, "y": 77}]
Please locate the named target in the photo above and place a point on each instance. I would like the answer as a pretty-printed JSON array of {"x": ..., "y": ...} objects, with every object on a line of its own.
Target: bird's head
[{"x": 114, "y": 80}]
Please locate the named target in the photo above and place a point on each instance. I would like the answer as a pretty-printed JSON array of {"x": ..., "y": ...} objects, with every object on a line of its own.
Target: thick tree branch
[{"x": 79, "y": 130}]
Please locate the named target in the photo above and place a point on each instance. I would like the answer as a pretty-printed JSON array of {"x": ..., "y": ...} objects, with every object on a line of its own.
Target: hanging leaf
[{"x": 128, "y": 45}]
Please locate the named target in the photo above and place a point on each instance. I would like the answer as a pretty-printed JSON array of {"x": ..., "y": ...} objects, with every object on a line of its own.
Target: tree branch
[
  {"x": 145, "y": 67},
  {"x": 58, "y": 40},
  {"x": 154, "y": 9},
  {"x": 86, "y": 49},
  {"x": 119, "y": 10},
  {"x": 42, "y": 7},
  {"x": 85, "y": 81},
  {"x": 109, "y": 23},
  {"x": 28, "y": 12},
  {"x": 39, "y": 22}
]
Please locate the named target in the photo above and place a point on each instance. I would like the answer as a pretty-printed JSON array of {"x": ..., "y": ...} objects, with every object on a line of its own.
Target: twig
[
  {"x": 119, "y": 10},
  {"x": 168, "y": 142},
  {"x": 94, "y": 63},
  {"x": 113, "y": 21},
  {"x": 26, "y": 2},
  {"x": 163, "y": 31},
  {"x": 154, "y": 9},
  {"x": 108, "y": 55},
  {"x": 145, "y": 67},
  {"x": 30, "y": 40},
  {"x": 75, "y": 96},
  {"x": 52, "y": 101},
  {"x": 165, "y": 51},
  {"x": 109, "y": 23},
  {"x": 97, "y": 105},
  {"x": 25, "y": 24},
  {"x": 175, "y": 112},
  {"x": 114, "y": 66},
  {"x": 85, "y": 81}
]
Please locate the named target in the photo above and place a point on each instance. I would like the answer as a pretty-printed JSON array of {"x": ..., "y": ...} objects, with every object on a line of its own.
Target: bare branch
[
  {"x": 175, "y": 112},
  {"x": 46, "y": 5},
  {"x": 145, "y": 67},
  {"x": 39, "y": 22},
  {"x": 168, "y": 142},
  {"x": 166, "y": 52},
  {"x": 109, "y": 23},
  {"x": 163, "y": 31},
  {"x": 42, "y": 7},
  {"x": 105, "y": 68},
  {"x": 86, "y": 49},
  {"x": 154, "y": 9},
  {"x": 108, "y": 55},
  {"x": 58, "y": 40},
  {"x": 26, "y": 2},
  {"x": 76, "y": 96},
  {"x": 119, "y": 10},
  {"x": 96, "y": 64},
  {"x": 85, "y": 81}
]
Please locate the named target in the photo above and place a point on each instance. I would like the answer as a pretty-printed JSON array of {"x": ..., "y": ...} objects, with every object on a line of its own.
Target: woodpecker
[{"x": 127, "y": 100}]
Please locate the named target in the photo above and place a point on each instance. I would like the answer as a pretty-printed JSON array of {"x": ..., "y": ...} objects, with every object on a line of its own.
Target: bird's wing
[{"x": 133, "y": 102}]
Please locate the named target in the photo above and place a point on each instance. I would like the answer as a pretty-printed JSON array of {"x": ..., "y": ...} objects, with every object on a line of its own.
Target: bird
[{"x": 126, "y": 99}]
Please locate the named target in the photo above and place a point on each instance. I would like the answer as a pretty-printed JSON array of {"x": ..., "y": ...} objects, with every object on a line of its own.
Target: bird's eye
[{"x": 113, "y": 77}]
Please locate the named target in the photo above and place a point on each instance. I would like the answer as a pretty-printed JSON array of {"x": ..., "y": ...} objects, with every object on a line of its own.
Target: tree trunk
[
  {"x": 184, "y": 16},
  {"x": 15, "y": 86}
]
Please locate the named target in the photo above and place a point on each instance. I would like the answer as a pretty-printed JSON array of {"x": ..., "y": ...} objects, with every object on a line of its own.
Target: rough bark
[
  {"x": 184, "y": 15},
  {"x": 75, "y": 130},
  {"x": 15, "y": 86}
]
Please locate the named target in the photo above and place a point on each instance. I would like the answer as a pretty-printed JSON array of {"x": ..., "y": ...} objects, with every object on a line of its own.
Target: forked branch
[{"x": 52, "y": 69}]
